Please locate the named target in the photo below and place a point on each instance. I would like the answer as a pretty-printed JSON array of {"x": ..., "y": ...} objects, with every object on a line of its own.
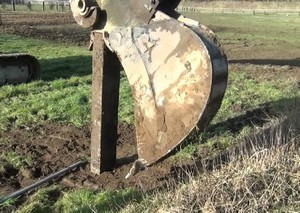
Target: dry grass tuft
[{"x": 266, "y": 178}]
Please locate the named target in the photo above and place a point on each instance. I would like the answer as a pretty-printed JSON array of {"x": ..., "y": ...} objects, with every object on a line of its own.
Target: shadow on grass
[
  {"x": 274, "y": 132},
  {"x": 65, "y": 67},
  {"x": 279, "y": 62}
]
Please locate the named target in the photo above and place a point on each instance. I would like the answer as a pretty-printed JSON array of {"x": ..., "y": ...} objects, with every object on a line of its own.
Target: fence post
[
  {"x": 14, "y": 5},
  {"x": 57, "y": 6},
  {"x": 105, "y": 101},
  {"x": 29, "y": 6},
  {"x": 43, "y": 6}
]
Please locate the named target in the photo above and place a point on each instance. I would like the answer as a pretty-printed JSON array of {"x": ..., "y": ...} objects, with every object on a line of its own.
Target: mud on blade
[{"x": 178, "y": 77}]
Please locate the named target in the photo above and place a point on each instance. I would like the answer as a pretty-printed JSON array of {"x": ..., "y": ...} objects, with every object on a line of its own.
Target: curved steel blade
[{"x": 178, "y": 78}]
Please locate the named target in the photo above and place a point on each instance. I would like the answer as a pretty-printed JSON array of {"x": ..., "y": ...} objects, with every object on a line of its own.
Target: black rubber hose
[{"x": 42, "y": 181}]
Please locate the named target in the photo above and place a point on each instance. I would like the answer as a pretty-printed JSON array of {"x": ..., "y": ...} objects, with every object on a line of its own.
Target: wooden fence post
[
  {"x": 105, "y": 101},
  {"x": 43, "y": 6},
  {"x": 14, "y": 5}
]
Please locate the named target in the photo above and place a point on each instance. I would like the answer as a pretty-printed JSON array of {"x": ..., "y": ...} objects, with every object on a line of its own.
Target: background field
[{"x": 45, "y": 125}]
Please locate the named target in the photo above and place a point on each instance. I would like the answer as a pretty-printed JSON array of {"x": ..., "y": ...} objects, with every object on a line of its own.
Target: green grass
[
  {"x": 8, "y": 203},
  {"x": 65, "y": 98},
  {"x": 57, "y": 60},
  {"x": 242, "y": 5},
  {"x": 80, "y": 201},
  {"x": 34, "y": 8},
  {"x": 42, "y": 200},
  {"x": 15, "y": 160},
  {"x": 246, "y": 93},
  {"x": 283, "y": 28},
  {"x": 5, "y": 140},
  {"x": 62, "y": 100},
  {"x": 69, "y": 100},
  {"x": 278, "y": 36},
  {"x": 64, "y": 95}
]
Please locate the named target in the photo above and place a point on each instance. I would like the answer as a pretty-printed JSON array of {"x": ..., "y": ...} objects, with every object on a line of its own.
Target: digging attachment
[
  {"x": 174, "y": 65},
  {"x": 178, "y": 79},
  {"x": 18, "y": 68}
]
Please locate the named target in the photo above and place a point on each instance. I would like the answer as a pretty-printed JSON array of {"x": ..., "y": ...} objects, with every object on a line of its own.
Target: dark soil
[
  {"x": 52, "y": 147},
  {"x": 59, "y": 27}
]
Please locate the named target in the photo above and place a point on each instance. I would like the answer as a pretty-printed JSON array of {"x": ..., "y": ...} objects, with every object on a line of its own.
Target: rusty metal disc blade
[{"x": 171, "y": 73}]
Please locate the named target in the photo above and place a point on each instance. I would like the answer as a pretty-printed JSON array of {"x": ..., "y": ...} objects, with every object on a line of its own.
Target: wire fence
[
  {"x": 240, "y": 11},
  {"x": 35, "y": 6},
  {"x": 52, "y": 5}
]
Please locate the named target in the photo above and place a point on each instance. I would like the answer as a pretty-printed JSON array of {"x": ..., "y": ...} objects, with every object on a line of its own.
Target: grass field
[
  {"x": 48, "y": 7},
  {"x": 264, "y": 74}
]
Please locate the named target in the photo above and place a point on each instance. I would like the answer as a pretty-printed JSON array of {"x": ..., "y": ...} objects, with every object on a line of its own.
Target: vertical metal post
[{"x": 105, "y": 101}]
